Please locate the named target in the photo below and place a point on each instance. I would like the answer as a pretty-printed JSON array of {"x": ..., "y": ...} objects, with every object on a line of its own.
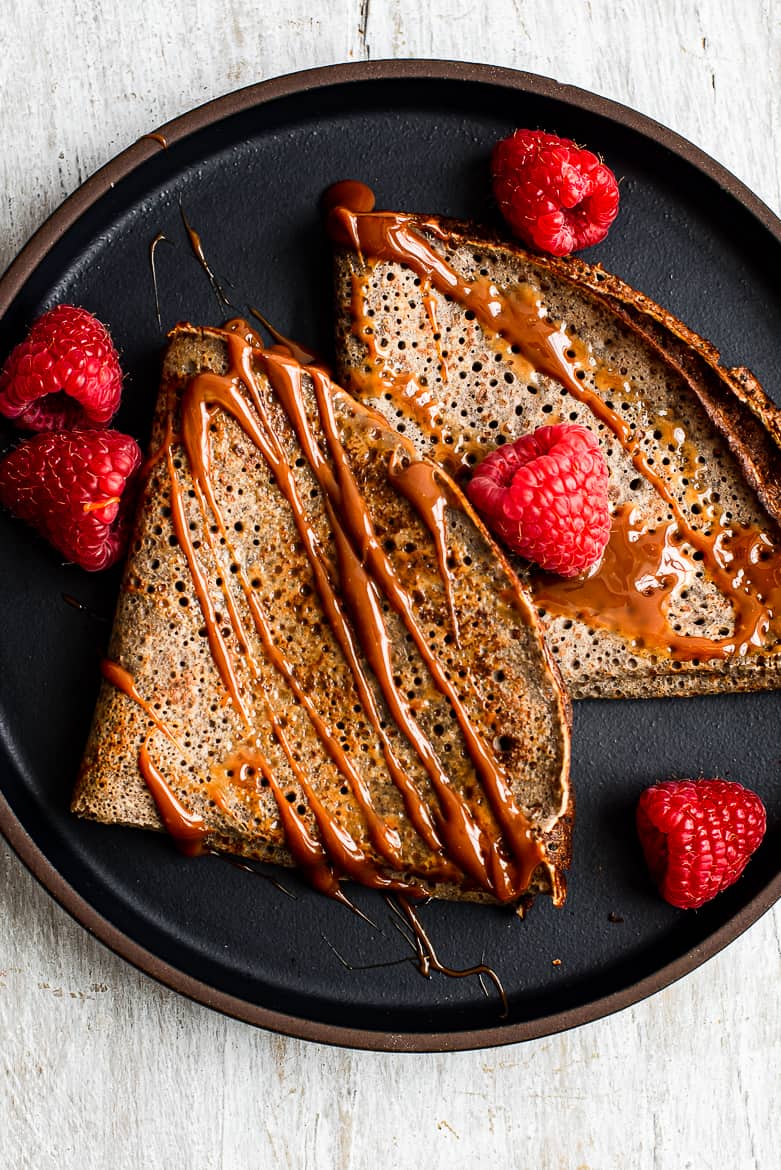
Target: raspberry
[
  {"x": 545, "y": 496},
  {"x": 553, "y": 194},
  {"x": 72, "y": 487},
  {"x": 65, "y": 373},
  {"x": 697, "y": 836}
]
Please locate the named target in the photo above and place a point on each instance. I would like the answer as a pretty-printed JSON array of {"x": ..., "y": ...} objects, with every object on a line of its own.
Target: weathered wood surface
[{"x": 101, "y": 1067}]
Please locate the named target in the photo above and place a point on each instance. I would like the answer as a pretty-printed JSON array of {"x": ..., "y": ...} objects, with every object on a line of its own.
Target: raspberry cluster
[{"x": 69, "y": 481}]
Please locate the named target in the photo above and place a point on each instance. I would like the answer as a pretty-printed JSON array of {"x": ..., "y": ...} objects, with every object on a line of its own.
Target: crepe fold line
[
  {"x": 414, "y": 348},
  {"x": 225, "y": 766}
]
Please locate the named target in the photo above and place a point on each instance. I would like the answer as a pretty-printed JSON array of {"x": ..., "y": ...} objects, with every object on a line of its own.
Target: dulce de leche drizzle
[
  {"x": 205, "y": 393},
  {"x": 352, "y": 525},
  {"x": 187, "y": 828},
  {"x": 357, "y": 521},
  {"x": 640, "y": 571},
  {"x": 498, "y": 853},
  {"x": 742, "y": 562}
]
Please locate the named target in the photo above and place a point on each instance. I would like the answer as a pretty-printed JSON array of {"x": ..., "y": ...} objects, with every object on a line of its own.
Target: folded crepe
[
  {"x": 465, "y": 342},
  {"x": 319, "y": 656}
]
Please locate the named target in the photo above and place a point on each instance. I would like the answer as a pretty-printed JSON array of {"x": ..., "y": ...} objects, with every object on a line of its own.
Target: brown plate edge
[{"x": 12, "y": 281}]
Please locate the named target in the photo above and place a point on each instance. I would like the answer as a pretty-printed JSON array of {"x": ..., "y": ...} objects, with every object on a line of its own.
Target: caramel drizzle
[
  {"x": 430, "y": 305},
  {"x": 656, "y": 565},
  {"x": 306, "y": 357},
  {"x": 752, "y": 584},
  {"x": 217, "y": 644},
  {"x": 203, "y": 394},
  {"x": 428, "y": 960},
  {"x": 153, "y": 246},
  {"x": 343, "y": 493},
  {"x": 123, "y": 680},
  {"x": 189, "y": 829},
  {"x": 455, "y": 825},
  {"x": 186, "y": 828},
  {"x": 197, "y": 248},
  {"x": 206, "y": 390},
  {"x": 336, "y": 853},
  {"x": 334, "y": 610},
  {"x": 418, "y": 402},
  {"x": 420, "y": 484},
  {"x": 358, "y": 525}
]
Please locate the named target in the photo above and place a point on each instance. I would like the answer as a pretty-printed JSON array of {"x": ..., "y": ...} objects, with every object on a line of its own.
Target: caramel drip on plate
[
  {"x": 197, "y": 247},
  {"x": 306, "y": 357},
  {"x": 153, "y": 246},
  {"x": 428, "y": 960},
  {"x": 743, "y": 563},
  {"x": 160, "y": 139}
]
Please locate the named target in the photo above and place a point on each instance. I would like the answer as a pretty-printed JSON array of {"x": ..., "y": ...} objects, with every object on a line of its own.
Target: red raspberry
[
  {"x": 697, "y": 836},
  {"x": 65, "y": 373},
  {"x": 71, "y": 486},
  {"x": 545, "y": 495},
  {"x": 554, "y": 195}
]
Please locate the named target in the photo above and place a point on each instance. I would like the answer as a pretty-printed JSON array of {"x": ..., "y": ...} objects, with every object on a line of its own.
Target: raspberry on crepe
[{"x": 545, "y": 496}]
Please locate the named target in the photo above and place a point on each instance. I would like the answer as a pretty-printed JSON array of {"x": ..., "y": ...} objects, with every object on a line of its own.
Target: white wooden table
[{"x": 100, "y": 1067}]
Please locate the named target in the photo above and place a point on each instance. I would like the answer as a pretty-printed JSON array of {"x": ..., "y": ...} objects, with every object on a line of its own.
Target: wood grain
[{"x": 99, "y": 1066}]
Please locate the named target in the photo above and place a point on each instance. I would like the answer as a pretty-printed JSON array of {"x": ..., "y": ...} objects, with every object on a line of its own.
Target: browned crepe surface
[
  {"x": 416, "y": 354},
  {"x": 503, "y": 671}
]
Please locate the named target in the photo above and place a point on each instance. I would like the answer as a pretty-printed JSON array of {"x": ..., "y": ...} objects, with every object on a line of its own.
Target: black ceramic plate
[{"x": 249, "y": 170}]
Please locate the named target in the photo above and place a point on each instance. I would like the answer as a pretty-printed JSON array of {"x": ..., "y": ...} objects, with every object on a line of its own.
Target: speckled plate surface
[{"x": 249, "y": 170}]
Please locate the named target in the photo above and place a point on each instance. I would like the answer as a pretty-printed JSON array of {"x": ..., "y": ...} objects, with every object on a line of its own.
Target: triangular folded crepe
[
  {"x": 464, "y": 342},
  {"x": 319, "y": 656}
]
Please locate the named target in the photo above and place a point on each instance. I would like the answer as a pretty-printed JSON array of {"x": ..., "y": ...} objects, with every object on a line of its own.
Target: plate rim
[{"x": 11, "y": 282}]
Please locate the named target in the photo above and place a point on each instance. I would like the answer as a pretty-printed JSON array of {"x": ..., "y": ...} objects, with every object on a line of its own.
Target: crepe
[
  {"x": 319, "y": 656},
  {"x": 465, "y": 342}
]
